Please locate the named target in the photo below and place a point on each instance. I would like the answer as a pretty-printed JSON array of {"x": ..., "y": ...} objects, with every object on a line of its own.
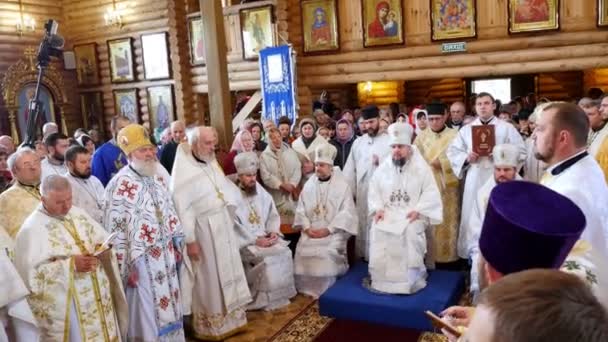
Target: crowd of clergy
[{"x": 130, "y": 241}]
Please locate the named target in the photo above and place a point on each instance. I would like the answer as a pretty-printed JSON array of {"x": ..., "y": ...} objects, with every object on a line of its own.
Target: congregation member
[
  {"x": 109, "y": 159},
  {"x": 560, "y": 142},
  {"x": 598, "y": 129},
  {"x": 457, "y": 113},
  {"x": 85, "y": 141},
  {"x": 343, "y": 141},
  {"x": 432, "y": 144},
  {"x": 54, "y": 163},
  {"x": 243, "y": 142},
  {"x": 508, "y": 310},
  {"x": 87, "y": 190},
  {"x": 473, "y": 168},
  {"x": 367, "y": 152},
  {"x": 281, "y": 172},
  {"x": 22, "y": 198},
  {"x": 505, "y": 159},
  {"x": 48, "y": 129},
  {"x": 214, "y": 284},
  {"x": 533, "y": 168},
  {"x": 257, "y": 130},
  {"x": 326, "y": 216},
  {"x": 598, "y": 136},
  {"x": 421, "y": 117},
  {"x": 284, "y": 127},
  {"x": 94, "y": 134},
  {"x": 266, "y": 256},
  {"x": 148, "y": 245},
  {"x": 403, "y": 200},
  {"x": 7, "y": 144},
  {"x": 167, "y": 152},
  {"x": 305, "y": 147},
  {"x": 76, "y": 291}
]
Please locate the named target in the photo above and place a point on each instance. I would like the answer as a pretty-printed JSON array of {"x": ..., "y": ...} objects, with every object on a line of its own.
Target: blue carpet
[{"x": 348, "y": 299}]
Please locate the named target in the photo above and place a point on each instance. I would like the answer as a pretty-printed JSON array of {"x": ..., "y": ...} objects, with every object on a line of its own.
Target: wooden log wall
[
  {"x": 381, "y": 93},
  {"x": 342, "y": 97},
  {"x": 595, "y": 78},
  {"x": 561, "y": 86},
  {"x": 447, "y": 90},
  {"x": 12, "y": 47}
]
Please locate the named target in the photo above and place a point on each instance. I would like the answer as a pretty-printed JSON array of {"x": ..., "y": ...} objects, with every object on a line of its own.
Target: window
[{"x": 500, "y": 88}]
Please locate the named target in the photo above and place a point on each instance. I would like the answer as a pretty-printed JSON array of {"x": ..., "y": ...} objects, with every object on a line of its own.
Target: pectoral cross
[
  {"x": 253, "y": 217},
  {"x": 319, "y": 210},
  {"x": 159, "y": 215},
  {"x": 220, "y": 195}
]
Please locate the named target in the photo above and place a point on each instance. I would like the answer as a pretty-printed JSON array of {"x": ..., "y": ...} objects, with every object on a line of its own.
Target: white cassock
[
  {"x": 583, "y": 182},
  {"x": 214, "y": 288},
  {"x": 533, "y": 168},
  {"x": 319, "y": 262},
  {"x": 88, "y": 194},
  {"x": 358, "y": 170},
  {"x": 397, "y": 251},
  {"x": 269, "y": 270},
  {"x": 477, "y": 173},
  {"x": 17, "y": 322},
  {"x": 47, "y": 168}
]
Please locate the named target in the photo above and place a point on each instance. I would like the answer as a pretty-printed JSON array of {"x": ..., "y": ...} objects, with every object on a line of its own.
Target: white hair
[
  {"x": 193, "y": 136},
  {"x": 49, "y": 127},
  {"x": 54, "y": 183},
  {"x": 14, "y": 158}
]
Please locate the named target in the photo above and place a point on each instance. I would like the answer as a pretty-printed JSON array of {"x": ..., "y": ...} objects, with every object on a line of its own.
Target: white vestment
[
  {"x": 479, "y": 172},
  {"x": 48, "y": 168},
  {"x": 397, "y": 246},
  {"x": 88, "y": 194},
  {"x": 139, "y": 208},
  {"x": 358, "y": 170},
  {"x": 533, "y": 168},
  {"x": 276, "y": 168},
  {"x": 17, "y": 322},
  {"x": 215, "y": 287},
  {"x": 596, "y": 139},
  {"x": 307, "y": 153},
  {"x": 585, "y": 185},
  {"x": 70, "y": 305},
  {"x": 269, "y": 270},
  {"x": 323, "y": 204}
]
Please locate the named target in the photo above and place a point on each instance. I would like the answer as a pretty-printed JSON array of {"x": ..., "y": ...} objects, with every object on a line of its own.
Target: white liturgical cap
[
  {"x": 505, "y": 155},
  {"x": 246, "y": 162},
  {"x": 400, "y": 133},
  {"x": 325, "y": 153}
]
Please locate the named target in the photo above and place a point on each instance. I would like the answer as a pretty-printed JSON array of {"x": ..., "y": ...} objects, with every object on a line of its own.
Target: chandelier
[
  {"x": 25, "y": 23},
  {"x": 112, "y": 16}
]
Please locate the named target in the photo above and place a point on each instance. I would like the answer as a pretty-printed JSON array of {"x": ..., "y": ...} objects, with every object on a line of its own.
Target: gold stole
[
  {"x": 436, "y": 149},
  {"x": 71, "y": 228}
]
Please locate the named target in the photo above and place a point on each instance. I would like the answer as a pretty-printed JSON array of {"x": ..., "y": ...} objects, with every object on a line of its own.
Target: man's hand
[
  {"x": 459, "y": 315},
  {"x": 133, "y": 278},
  {"x": 273, "y": 238},
  {"x": 379, "y": 216},
  {"x": 318, "y": 233},
  {"x": 194, "y": 251},
  {"x": 85, "y": 263},
  {"x": 436, "y": 164},
  {"x": 473, "y": 157},
  {"x": 287, "y": 187},
  {"x": 413, "y": 216},
  {"x": 375, "y": 160}
]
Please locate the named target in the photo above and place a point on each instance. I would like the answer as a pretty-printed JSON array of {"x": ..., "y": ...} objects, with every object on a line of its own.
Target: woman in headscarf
[
  {"x": 305, "y": 147},
  {"x": 343, "y": 141},
  {"x": 86, "y": 142},
  {"x": 256, "y": 130},
  {"x": 243, "y": 142}
]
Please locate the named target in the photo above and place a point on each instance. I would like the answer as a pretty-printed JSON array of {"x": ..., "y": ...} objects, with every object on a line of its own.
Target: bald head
[
  {"x": 203, "y": 142},
  {"x": 49, "y": 128},
  {"x": 178, "y": 131},
  {"x": 457, "y": 111},
  {"x": 7, "y": 143},
  {"x": 56, "y": 195},
  {"x": 117, "y": 123}
]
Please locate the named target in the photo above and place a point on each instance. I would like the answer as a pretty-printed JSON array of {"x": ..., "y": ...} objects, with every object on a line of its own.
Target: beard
[
  {"x": 58, "y": 156},
  {"x": 373, "y": 131},
  {"x": 399, "y": 162},
  {"x": 249, "y": 190},
  {"x": 144, "y": 167},
  {"x": 544, "y": 157},
  {"x": 501, "y": 179},
  {"x": 82, "y": 175}
]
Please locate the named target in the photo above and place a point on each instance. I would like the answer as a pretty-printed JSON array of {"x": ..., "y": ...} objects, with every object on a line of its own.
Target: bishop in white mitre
[
  {"x": 76, "y": 291},
  {"x": 505, "y": 158},
  {"x": 149, "y": 241},
  {"x": 213, "y": 280},
  {"x": 474, "y": 168},
  {"x": 87, "y": 190},
  {"x": 365, "y": 155},
  {"x": 327, "y": 217},
  {"x": 266, "y": 256},
  {"x": 404, "y": 201}
]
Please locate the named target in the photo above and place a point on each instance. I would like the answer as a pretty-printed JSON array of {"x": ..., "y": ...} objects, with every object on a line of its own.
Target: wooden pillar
[{"x": 214, "y": 39}]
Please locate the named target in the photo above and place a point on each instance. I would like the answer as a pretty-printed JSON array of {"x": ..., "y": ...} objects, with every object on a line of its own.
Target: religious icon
[
  {"x": 86, "y": 64},
  {"x": 195, "y": 32},
  {"x": 156, "y": 56},
  {"x": 602, "y": 13},
  {"x": 382, "y": 22},
  {"x": 91, "y": 107},
  {"x": 160, "y": 108},
  {"x": 120, "y": 54},
  {"x": 320, "y": 25},
  {"x": 126, "y": 104},
  {"x": 533, "y": 15},
  {"x": 47, "y": 108},
  {"x": 256, "y": 30},
  {"x": 452, "y": 19}
]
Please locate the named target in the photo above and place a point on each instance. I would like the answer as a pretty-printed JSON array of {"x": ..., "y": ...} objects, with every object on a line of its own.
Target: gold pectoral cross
[
  {"x": 319, "y": 210},
  {"x": 253, "y": 217},
  {"x": 220, "y": 195},
  {"x": 159, "y": 215}
]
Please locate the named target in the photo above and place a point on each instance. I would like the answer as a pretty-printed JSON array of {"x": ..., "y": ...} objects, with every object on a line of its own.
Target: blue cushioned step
[{"x": 348, "y": 299}]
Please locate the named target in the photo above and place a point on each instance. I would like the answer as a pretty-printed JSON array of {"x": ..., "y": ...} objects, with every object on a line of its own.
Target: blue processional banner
[{"x": 278, "y": 83}]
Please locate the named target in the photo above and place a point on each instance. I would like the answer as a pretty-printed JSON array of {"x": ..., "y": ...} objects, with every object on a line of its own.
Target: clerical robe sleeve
[
  {"x": 515, "y": 138},
  {"x": 296, "y": 169},
  {"x": 475, "y": 220},
  {"x": 346, "y": 218},
  {"x": 269, "y": 177},
  {"x": 374, "y": 193},
  {"x": 429, "y": 203},
  {"x": 349, "y": 171},
  {"x": 457, "y": 153},
  {"x": 301, "y": 220},
  {"x": 188, "y": 221},
  {"x": 273, "y": 222},
  {"x": 602, "y": 158}
]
